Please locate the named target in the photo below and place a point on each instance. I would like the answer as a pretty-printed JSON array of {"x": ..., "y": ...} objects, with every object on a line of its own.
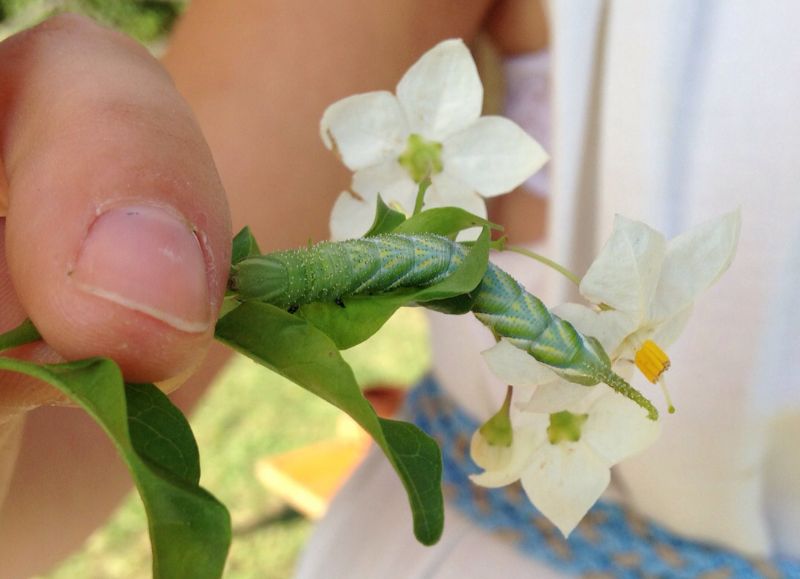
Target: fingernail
[{"x": 147, "y": 259}]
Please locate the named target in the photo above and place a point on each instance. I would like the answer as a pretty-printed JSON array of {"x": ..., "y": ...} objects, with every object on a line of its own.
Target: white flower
[
  {"x": 644, "y": 287},
  {"x": 563, "y": 460},
  {"x": 431, "y": 127}
]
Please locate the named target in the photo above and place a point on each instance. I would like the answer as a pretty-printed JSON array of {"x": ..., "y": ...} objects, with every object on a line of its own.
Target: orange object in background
[{"x": 307, "y": 478}]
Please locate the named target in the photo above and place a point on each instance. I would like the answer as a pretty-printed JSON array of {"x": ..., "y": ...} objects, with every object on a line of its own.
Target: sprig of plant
[
  {"x": 305, "y": 348},
  {"x": 190, "y": 530}
]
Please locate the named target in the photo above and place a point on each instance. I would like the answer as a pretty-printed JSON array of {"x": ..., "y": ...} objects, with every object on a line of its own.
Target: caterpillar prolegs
[{"x": 330, "y": 271}]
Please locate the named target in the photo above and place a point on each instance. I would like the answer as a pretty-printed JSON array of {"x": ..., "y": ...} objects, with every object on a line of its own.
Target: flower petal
[
  {"x": 563, "y": 481},
  {"x": 527, "y": 439},
  {"x": 694, "y": 261},
  {"x": 618, "y": 428},
  {"x": 365, "y": 129},
  {"x": 557, "y": 396},
  {"x": 492, "y": 457},
  {"x": 446, "y": 191},
  {"x": 389, "y": 180},
  {"x": 514, "y": 366},
  {"x": 670, "y": 329},
  {"x": 610, "y": 327},
  {"x": 625, "y": 274},
  {"x": 625, "y": 367},
  {"x": 441, "y": 93},
  {"x": 353, "y": 213},
  {"x": 351, "y": 216},
  {"x": 493, "y": 155}
]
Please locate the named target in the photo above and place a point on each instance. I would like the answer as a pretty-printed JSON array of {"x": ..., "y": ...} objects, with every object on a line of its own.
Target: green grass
[
  {"x": 248, "y": 413},
  {"x": 148, "y": 21}
]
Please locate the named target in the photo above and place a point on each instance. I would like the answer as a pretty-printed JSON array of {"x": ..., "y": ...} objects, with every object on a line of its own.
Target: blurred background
[{"x": 255, "y": 430}]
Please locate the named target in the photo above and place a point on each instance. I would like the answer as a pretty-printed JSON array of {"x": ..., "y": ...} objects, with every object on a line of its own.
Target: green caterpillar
[{"x": 330, "y": 271}]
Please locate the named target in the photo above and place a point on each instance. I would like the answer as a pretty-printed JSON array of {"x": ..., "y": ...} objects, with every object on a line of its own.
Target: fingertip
[{"x": 118, "y": 230}]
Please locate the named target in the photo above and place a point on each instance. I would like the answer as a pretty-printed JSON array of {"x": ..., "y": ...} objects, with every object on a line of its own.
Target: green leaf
[
  {"x": 362, "y": 316},
  {"x": 229, "y": 303},
  {"x": 190, "y": 531},
  {"x": 446, "y": 221},
  {"x": 25, "y": 333},
  {"x": 294, "y": 348},
  {"x": 386, "y": 219},
  {"x": 454, "y": 306},
  {"x": 418, "y": 461},
  {"x": 151, "y": 416},
  {"x": 244, "y": 246}
]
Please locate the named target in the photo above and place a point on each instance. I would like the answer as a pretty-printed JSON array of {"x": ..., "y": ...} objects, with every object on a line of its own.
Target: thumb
[{"x": 117, "y": 234}]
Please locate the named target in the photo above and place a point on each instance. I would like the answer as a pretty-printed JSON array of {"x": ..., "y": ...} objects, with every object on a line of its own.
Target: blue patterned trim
[{"x": 611, "y": 541}]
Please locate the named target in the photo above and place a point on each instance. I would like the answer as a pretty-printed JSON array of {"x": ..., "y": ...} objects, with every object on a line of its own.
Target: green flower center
[
  {"x": 421, "y": 158},
  {"x": 565, "y": 427}
]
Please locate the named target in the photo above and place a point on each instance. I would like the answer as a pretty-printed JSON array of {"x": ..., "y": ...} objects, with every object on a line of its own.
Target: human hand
[{"x": 116, "y": 235}]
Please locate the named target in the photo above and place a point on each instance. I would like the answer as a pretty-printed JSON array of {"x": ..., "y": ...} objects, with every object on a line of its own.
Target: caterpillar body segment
[
  {"x": 330, "y": 271},
  {"x": 510, "y": 311}
]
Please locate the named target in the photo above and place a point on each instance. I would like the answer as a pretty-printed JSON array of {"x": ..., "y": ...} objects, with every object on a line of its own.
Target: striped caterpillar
[{"x": 331, "y": 271}]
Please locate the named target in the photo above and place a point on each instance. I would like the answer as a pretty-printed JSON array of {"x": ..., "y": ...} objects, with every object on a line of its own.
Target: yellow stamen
[{"x": 652, "y": 361}]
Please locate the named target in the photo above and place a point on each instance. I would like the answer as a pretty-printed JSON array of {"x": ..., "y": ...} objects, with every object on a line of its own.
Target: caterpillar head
[{"x": 263, "y": 278}]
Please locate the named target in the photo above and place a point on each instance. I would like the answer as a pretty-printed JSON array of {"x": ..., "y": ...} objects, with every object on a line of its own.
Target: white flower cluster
[
  {"x": 565, "y": 436},
  {"x": 562, "y": 440}
]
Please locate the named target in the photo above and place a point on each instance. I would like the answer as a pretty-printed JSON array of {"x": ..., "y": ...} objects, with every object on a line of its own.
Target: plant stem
[
  {"x": 548, "y": 262},
  {"x": 420, "y": 201}
]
